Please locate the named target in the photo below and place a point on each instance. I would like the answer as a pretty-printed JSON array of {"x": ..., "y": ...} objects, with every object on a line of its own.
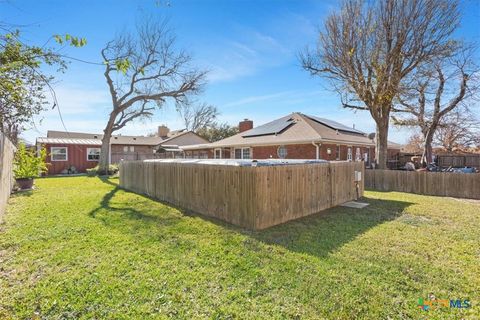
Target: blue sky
[{"x": 249, "y": 47}]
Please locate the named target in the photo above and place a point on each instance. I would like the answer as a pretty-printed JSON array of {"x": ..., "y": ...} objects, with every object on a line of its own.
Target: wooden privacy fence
[
  {"x": 7, "y": 152},
  {"x": 461, "y": 185},
  {"x": 250, "y": 197},
  {"x": 467, "y": 160}
]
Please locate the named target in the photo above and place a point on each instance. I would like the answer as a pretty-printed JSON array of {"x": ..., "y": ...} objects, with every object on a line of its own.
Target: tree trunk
[
  {"x": 427, "y": 155},
  {"x": 381, "y": 146},
  {"x": 105, "y": 150}
]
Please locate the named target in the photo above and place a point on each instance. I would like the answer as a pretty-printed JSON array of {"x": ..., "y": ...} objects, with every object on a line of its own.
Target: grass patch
[{"x": 80, "y": 247}]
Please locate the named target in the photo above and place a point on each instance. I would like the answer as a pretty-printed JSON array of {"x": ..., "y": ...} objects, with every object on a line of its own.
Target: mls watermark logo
[{"x": 432, "y": 303}]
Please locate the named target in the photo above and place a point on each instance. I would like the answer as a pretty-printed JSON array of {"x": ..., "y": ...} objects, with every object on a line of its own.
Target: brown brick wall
[
  {"x": 307, "y": 151},
  {"x": 294, "y": 151},
  {"x": 302, "y": 151}
]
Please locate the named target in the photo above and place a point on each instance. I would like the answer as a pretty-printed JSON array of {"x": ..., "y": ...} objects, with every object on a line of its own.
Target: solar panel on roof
[
  {"x": 273, "y": 127},
  {"x": 334, "y": 125}
]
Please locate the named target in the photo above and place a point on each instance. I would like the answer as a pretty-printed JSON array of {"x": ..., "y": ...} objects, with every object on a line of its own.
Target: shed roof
[
  {"x": 93, "y": 142},
  {"x": 115, "y": 139},
  {"x": 96, "y": 139}
]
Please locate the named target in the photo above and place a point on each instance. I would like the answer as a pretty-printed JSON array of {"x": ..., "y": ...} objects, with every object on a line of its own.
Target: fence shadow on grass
[
  {"x": 147, "y": 214},
  {"x": 327, "y": 231},
  {"x": 319, "y": 234}
]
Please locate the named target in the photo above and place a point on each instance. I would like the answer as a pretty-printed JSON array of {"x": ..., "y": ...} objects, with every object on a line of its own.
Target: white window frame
[
  {"x": 242, "y": 151},
  {"x": 215, "y": 153},
  {"x": 337, "y": 152},
  {"x": 125, "y": 148},
  {"x": 349, "y": 154},
  {"x": 56, "y": 148},
  {"x": 88, "y": 153},
  {"x": 249, "y": 153},
  {"x": 286, "y": 152},
  {"x": 132, "y": 148},
  {"x": 358, "y": 154}
]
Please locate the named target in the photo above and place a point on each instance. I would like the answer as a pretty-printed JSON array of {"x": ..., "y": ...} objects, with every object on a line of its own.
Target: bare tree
[
  {"x": 368, "y": 47},
  {"x": 459, "y": 130},
  {"x": 197, "y": 116},
  {"x": 414, "y": 144},
  {"x": 438, "y": 88},
  {"x": 143, "y": 70}
]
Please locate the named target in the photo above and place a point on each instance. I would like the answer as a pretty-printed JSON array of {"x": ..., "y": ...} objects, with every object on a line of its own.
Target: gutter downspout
[{"x": 317, "y": 150}]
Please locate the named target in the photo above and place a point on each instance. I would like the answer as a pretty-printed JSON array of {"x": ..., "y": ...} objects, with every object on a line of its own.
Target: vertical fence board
[{"x": 250, "y": 197}]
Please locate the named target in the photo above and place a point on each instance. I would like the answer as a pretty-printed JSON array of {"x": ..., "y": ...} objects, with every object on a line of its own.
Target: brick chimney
[
  {"x": 245, "y": 125},
  {"x": 163, "y": 131}
]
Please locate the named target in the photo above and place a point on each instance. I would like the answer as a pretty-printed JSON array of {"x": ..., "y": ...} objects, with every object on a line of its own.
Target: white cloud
[
  {"x": 251, "y": 52},
  {"x": 254, "y": 99}
]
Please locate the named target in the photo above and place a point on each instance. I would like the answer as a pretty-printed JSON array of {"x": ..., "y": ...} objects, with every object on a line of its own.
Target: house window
[
  {"x": 93, "y": 154},
  {"x": 358, "y": 155},
  {"x": 238, "y": 153},
  {"x": 338, "y": 152},
  {"x": 132, "y": 148},
  {"x": 59, "y": 153},
  {"x": 242, "y": 153},
  {"x": 349, "y": 154},
  {"x": 246, "y": 153},
  {"x": 218, "y": 154},
  {"x": 282, "y": 152},
  {"x": 125, "y": 149}
]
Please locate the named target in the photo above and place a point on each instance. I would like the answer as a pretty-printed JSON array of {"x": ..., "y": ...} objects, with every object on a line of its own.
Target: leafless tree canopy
[
  {"x": 143, "y": 70},
  {"x": 414, "y": 144},
  {"x": 459, "y": 131},
  {"x": 368, "y": 48},
  {"x": 437, "y": 88},
  {"x": 198, "y": 116}
]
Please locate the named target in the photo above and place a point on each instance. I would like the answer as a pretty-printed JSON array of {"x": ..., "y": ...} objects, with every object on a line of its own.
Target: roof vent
[
  {"x": 115, "y": 138},
  {"x": 134, "y": 138},
  {"x": 95, "y": 137}
]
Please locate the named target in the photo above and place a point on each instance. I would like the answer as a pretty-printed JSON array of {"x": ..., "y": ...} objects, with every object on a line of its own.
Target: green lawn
[{"x": 80, "y": 247}]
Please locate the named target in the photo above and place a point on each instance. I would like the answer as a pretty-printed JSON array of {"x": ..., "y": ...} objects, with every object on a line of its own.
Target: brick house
[
  {"x": 296, "y": 136},
  {"x": 81, "y": 151}
]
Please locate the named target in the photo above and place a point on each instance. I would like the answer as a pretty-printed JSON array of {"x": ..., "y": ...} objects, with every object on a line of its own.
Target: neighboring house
[
  {"x": 296, "y": 136},
  {"x": 75, "y": 151}
]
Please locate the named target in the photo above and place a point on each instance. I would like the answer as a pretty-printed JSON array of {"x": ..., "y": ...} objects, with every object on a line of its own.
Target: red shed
[{"x": 65, "y": 155}]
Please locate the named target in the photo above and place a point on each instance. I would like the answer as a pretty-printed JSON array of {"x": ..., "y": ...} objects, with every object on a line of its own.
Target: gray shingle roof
[{"x": 302, "y": 129}]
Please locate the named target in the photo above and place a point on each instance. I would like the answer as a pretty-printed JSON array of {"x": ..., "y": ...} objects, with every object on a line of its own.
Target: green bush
[
  {"x": 112, "y": 169},
  {"x": 28, "y": 163}
]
